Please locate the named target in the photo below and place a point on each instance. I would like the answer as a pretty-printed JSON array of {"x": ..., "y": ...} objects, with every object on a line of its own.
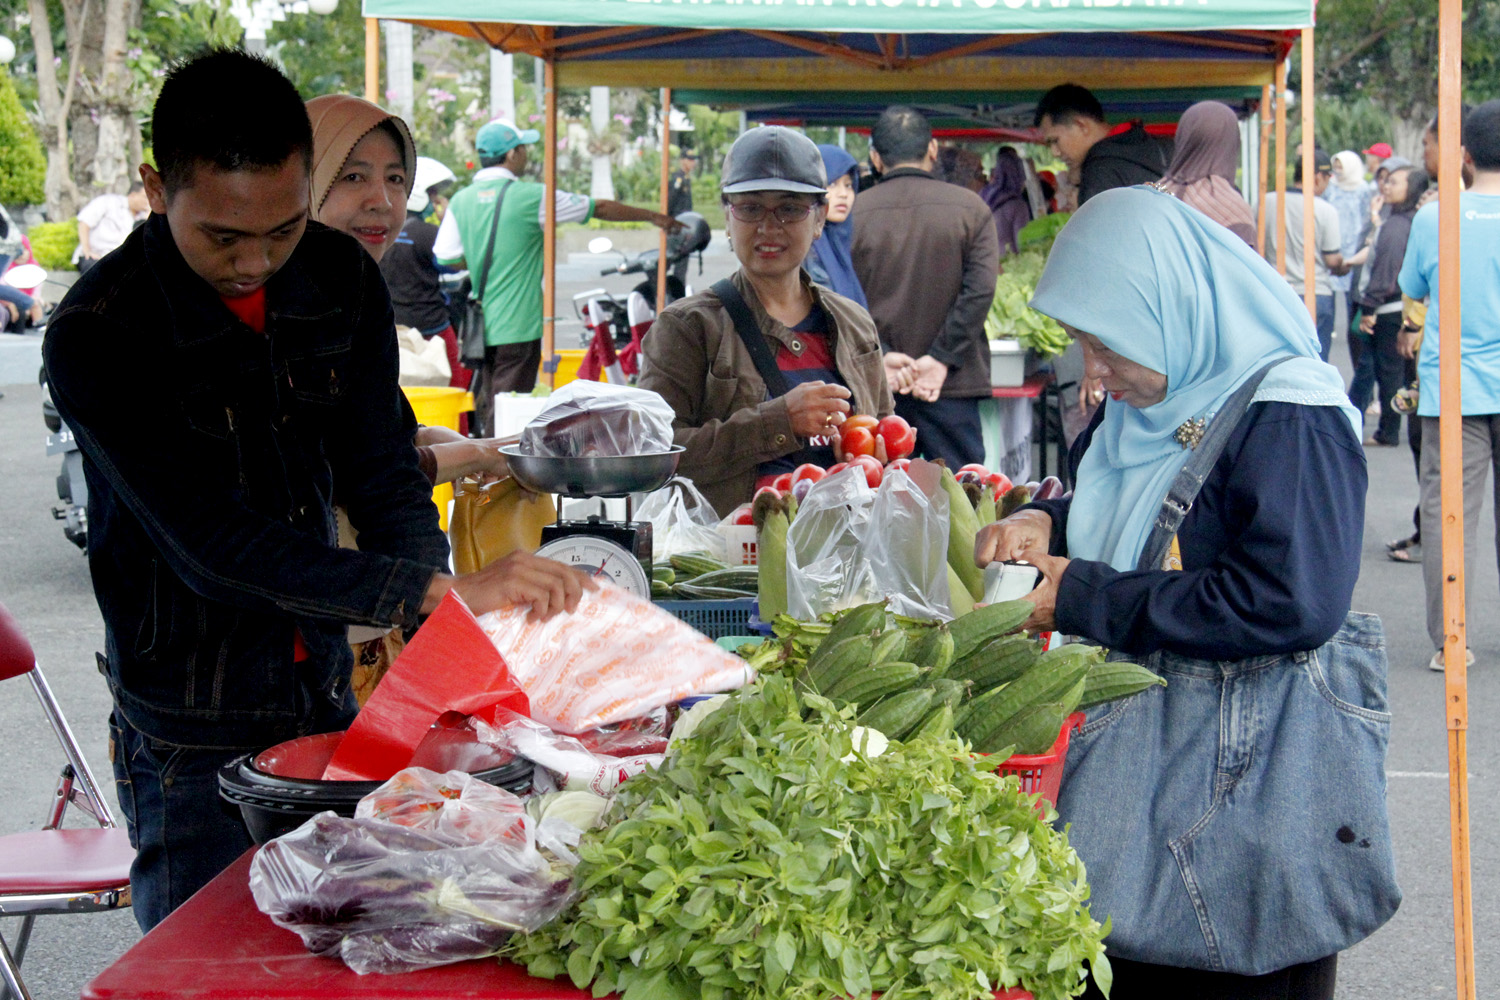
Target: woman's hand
[
  {"x": 1024, "y": 531},
  {"x": 520, "y": 578},
  {"x": 1044, "y": 597},
  {"x": 900, "y": 372},
  {"x": 1367, "y": 323},
  {"x": 1407, "y": 342},
  {"x": 816, "y": 408}
]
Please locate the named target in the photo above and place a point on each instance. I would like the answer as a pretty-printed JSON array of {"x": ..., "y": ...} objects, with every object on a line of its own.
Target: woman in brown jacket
[{"x": 758, "y": 398}]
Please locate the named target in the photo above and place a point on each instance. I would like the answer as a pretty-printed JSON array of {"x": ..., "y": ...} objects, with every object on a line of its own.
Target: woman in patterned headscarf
[{"x": 1203, "y": 165}]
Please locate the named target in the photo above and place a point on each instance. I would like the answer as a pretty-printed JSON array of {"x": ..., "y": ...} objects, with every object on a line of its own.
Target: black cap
[
  {"x": 1321, "y": 161},
  {"x": 774, "y": 158}
]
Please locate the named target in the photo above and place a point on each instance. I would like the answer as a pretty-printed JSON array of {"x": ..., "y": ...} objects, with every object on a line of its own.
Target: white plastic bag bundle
[
  {"x": 850, "y": 545},
  {"x": 599, "y": 419},
  {"x": 682, "y": 520}
]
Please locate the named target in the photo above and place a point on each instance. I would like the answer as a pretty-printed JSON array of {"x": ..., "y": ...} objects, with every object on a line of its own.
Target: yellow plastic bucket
[
  {"x": 568, "y": 362},
  {"x": 439, "y": 406}
]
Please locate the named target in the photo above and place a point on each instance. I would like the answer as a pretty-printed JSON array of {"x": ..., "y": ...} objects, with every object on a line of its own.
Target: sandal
[
  {"x": 1407, "y": 554},
  {"x": 1403, "y": 543}
]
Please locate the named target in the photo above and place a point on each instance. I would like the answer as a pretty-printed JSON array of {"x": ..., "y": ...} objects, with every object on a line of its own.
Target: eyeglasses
[{"x": 753, "y": 213}]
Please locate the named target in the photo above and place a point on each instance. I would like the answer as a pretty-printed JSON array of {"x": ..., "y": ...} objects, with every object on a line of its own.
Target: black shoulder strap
[
  {"x": 1189, "y": 481},
  {"x": 750, "y": 335},
  {"x": 476, "y": 289}
]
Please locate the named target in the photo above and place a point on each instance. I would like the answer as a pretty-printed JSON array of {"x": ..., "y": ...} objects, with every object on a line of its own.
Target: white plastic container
[{"x": 1007, "y": 363}]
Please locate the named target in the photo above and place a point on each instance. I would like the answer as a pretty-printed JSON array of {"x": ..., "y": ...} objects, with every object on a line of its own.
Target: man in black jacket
[
  {"x": 227, "y": 372},
  {"x": 1072, "y": 123}
]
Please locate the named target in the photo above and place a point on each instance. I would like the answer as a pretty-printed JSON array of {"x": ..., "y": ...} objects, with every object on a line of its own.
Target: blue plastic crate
[{"x": 714, "y": 619}]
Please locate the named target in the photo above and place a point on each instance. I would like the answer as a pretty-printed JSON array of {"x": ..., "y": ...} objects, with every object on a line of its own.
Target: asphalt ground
[{"x": 44, "y": 582}]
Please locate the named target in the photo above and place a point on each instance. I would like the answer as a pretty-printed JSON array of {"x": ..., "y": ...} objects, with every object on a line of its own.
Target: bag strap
[
  {"x": 1189, "y": 481},
  {"x": 760, "y": 352},
  {"x": 476, "y": 291}
]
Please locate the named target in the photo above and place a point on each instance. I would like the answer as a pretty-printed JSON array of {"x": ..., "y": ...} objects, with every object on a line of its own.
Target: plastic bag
[
  {"x": 682, "y": 520},
  {"x": 453, "y": 804},
  {"x": 850, "y": 545},
  {"x": 589, "y": 419},
  {"x": 616, "y": 657},
  {"x": 826, "y": 565},
  {"x": 390, "y": 898},
  {"x": 568, "y": 762}
]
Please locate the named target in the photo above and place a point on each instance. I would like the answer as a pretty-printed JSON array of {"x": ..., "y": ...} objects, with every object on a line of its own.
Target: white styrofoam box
[
  {"x": 514, "y": 411},
  {"x": 1007, "y": 363}
]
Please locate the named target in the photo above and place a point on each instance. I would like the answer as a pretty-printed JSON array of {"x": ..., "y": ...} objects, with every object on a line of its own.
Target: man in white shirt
[
  {"x": 106, "y": 221},
  {"x": 1330, "y": 258}
]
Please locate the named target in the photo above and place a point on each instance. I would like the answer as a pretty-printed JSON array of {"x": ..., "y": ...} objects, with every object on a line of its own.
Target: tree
[{"x": 23, "y": 166}]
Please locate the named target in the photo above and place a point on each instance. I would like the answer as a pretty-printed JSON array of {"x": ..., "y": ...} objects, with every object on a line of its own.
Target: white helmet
[{"x": 428, "y": 173}]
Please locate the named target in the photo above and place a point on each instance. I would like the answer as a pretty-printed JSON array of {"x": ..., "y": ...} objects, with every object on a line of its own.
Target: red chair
[{"x": 53, "y": 870}]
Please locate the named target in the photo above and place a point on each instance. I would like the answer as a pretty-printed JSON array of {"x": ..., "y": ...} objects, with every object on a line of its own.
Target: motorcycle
[
  {"x": 615, "y": 327},
  {"x": 72, "y": 490}
]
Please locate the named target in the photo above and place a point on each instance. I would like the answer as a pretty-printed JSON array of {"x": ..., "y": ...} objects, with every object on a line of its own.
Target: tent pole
[
  {"x": 1281, "y": 167},
  {"x": 1309, "y": 176},
  {"x": 666, "y": 166},
  {"x": 549, "y": 223},
  {"x": 1265, "y": 166},
  {"x": 372, "y": 60},
  {"x": 1450, "y": 436}
]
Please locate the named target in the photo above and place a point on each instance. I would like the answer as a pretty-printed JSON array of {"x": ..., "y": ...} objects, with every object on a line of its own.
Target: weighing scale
[{"x": 617, "y": 550}]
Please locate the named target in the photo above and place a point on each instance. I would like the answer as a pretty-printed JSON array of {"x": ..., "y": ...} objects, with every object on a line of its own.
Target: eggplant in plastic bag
[{"x": 388, "y": 898}]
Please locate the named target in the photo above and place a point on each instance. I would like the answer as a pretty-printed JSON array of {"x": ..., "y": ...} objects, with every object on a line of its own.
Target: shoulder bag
[
  {"x": 1235, "y": 820},
  {"x": 471, "y": 337},
  {"x": 754, "y": 340}
]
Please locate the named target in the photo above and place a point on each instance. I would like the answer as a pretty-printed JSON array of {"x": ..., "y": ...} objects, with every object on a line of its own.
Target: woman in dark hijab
[
  {"x": 1202, "y": 170},
  {"x": 831, "y": 264},
  {"x": 1006, "y": 196}
]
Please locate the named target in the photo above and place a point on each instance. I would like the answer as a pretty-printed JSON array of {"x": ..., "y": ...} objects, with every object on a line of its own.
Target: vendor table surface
[
  {"x": 218, "y": 946},
  {"x": 1029, "y": 389}
]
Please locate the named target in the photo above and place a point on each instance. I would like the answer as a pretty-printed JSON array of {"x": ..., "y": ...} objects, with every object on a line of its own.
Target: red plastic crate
[{"x": 1043, "y": 772}]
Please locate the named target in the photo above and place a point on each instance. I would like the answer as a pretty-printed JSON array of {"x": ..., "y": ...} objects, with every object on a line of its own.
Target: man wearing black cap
[
  {"x": 927, "y": 255},
  {"x": 1330, "y": 258}
]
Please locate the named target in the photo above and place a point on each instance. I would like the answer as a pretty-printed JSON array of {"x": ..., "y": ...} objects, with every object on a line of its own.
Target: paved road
[{"x": 44, "y": 581}]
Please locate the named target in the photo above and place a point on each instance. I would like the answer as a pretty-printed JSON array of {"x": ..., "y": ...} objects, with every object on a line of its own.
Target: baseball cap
[
  {"x": 1380, "y": 149},
  {"x": 1321, "y": 162},
  {"x": 500, "y": 137},
  {"x": 774, "y": 158}
]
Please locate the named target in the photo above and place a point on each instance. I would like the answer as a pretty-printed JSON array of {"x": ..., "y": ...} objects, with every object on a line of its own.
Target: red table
[
  {"x": 218, "y": 946},
  {"x": 1030, "y": 388}
]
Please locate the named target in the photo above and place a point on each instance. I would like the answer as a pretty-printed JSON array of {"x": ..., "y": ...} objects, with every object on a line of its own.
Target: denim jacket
[{"x": 212, "y": 455}]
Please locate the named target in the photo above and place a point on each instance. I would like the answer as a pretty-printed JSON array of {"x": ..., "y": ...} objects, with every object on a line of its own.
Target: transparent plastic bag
[
  {"x": 908, "y": 542},
  {"x": 569, "y": 762},
  {"x": 599, "y": 419},
  {"x": 850, "y": 545},
  {"x": 390, "y": 898},
  {"x": 452, "y": 804},
  {"x": 682, "y": 521}
]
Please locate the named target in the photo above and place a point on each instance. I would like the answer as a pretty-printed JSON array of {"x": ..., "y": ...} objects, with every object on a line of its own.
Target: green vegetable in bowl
[
  {"x": 1011, "y": 315},
  {"x": 770, "y": 857}
]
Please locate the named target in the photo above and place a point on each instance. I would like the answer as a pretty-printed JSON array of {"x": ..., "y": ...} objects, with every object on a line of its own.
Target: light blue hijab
[{"x": 1166, "y": 287}]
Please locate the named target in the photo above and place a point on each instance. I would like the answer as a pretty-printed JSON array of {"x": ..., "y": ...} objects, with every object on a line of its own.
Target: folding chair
[{"x": 53, "y": 870}]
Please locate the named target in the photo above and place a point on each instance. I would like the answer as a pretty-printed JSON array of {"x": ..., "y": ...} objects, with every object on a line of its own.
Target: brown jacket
[
  {"x": 927, "y": 256},
  {"x": 694, "y": 358}
]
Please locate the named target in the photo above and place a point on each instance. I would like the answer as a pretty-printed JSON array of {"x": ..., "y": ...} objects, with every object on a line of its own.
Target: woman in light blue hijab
[{"x": 1209, "y": 839}]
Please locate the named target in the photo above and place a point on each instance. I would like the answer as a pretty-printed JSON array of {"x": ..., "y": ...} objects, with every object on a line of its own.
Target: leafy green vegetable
[
  {"x": 769, "y": 858},
  {"x": 1011, "y": 317},
  {"x": 1042, "y": 230}
]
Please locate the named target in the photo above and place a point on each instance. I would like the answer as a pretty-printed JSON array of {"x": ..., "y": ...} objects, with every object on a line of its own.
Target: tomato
[
  {"x": 858, "y": 420},
  {"x": 899, "y": 436},
  {"x": 835, "y": 469},
  {"x": 812, "y": 473},
  {"x": 768, "y": 489},
  {"x": 899, "y": 465},
  {"x": 997, "y": 481},
  {"x": 974, "y": 467},
  {"x": 859, "y": 441},
  {"x": 742, "y": 515},
  {"x": 874, "y": 472},
  {"x": 782, "y": 483}
]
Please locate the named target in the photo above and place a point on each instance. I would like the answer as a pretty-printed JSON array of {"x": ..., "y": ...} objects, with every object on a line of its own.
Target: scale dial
[{"x": 600, "y": 557}]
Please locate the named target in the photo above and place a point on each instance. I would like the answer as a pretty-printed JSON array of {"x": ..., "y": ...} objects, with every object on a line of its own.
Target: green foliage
[
  {"x": 773, "y": 856},
  {"x": 53, "y": 243},
  {"x": 321, "y": 54},
  {"x": 1343, "y": 123},
  {"x": 23, "y": 166}
]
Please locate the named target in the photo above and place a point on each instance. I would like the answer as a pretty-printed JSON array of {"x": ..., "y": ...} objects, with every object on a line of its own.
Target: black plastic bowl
[{"x": 278, "y": 789}]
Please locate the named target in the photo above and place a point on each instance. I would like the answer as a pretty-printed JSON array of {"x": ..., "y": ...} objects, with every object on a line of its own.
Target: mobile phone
[{"x": 1008, "y": 581}]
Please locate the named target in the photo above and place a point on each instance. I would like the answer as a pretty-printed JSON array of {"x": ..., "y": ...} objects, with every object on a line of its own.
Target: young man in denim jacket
[{"x": 228, "y": 372}]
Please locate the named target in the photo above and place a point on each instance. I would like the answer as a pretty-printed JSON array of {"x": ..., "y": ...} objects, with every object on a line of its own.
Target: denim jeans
[
  {"x": 1324, "y": 306},
  {"x": 183, "y": 833},
  {"x": 1235, "y": 820}
]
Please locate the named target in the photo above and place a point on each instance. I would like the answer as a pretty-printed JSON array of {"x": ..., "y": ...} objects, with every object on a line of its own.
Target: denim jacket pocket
[
  {"x": 319, "y": 378},
  {"x": 209, "y": 412}
]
